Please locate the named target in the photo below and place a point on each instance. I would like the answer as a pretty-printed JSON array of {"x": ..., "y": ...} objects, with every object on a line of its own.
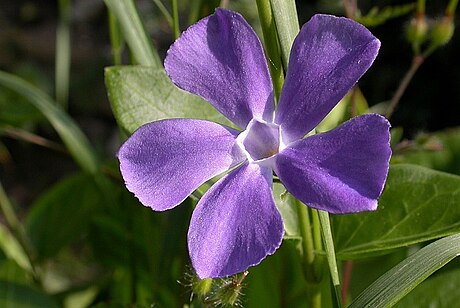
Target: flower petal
[
  {"x": 236, "y": 224},
  {"x": 340, "y": 171},
  {"x": 327, "y": 58},
  {"x": 221, "y": 59},
  {"x": 163, "y": 162}
]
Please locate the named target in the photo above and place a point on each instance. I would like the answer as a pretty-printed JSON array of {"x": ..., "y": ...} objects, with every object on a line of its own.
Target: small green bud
[
  {"x": 417, "y": 30},
  {"x": 442, "y": 31},
  {"x": 229, "y": 293},
  {"x": 201, "y": 287}
]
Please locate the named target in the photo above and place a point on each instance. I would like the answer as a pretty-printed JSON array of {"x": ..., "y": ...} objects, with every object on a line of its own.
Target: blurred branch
[
  {"x": 416, "y": 62},
  {"x": 24, "y": 135}
]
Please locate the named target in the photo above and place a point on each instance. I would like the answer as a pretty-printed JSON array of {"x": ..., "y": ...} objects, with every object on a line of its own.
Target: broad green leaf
[
  {"x": 401, "y": 279},
  {"x": 442, "y": 290},
  {"x": 14, "y": 295},
  {"x": 134, "y": 32},
  {"x": 74, "y": 139},
  {"x": 62, "y": 214},
  {"x": 418, "y": 204},
  {"x": 140, "y": 95},
  {"x": 287, "y": 25}
]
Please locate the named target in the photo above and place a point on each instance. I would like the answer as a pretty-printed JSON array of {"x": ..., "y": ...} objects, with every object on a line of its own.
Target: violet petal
[
  {"x": 165, "y": 161},
  {"x": 340, "y": 171},
  {"x": 236, "y": 223},
  {"x": 327, "y": 58},
  {"x": 221, "y": 59}
]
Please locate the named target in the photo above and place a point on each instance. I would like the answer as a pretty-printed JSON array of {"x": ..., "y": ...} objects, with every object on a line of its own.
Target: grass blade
[{"x": 400, "y": 280}]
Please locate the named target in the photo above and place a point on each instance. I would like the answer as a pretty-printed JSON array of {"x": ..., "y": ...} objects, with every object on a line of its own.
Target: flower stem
[
  {"x": 175, "y": 16},
  {"x": 310, "y": 262},
  {"x": 330, "y": 253},
  {"x": 416, "y": 62},
  {"x": 271, "y": 44}
]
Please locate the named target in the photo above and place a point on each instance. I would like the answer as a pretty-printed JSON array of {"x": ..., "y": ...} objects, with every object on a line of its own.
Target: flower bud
[
  {"x": 229, "y": 293},
  {"x": 201, "y": 287},
  {"x": 417, "y": 30},
  {"x": 442, "y": 31}
]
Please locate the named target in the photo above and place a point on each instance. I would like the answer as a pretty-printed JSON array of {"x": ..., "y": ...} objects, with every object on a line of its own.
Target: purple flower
[{"x": 236, "y": 223}]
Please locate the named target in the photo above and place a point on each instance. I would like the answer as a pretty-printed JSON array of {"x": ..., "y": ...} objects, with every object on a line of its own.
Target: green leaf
[
  {"x": 134, "y": 32},
  {"x": 140, "y": 95},
  {"x": 22, "y": 296},
  {"x": 442, "y": 290},
  {"x": 62, "y": 214},
  {"x": 418, "y": 204},
  {"x": 400, "y": 280},
  {"x": 378, "y": 16},
  {"x": 74, "y": 139},
  {"x": 287, "y": 206}
]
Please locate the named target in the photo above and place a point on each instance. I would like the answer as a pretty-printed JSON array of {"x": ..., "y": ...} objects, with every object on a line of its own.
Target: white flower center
[{"x": 260, "y": 140}]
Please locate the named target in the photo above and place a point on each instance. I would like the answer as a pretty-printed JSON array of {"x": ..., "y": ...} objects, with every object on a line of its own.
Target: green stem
[
  {"x": 116, "y": 39},
  {"x": 330, "y": 253},
  {"x": 17, "y": 230},
  {"x": 421, "y": 7},
  {"x": 175, "y": 16},
  {"x": 451, "y": 7},
  {"x": 164, "y": 11},
  {"x": 416, "y": 62},
  {"x": 63, "y": 51},
  {"x": 309, "y": 259},
  {"x": 271, "y": 45},
  {"x": 287, "y": 25},
  {"x": 134, "y": 32}
]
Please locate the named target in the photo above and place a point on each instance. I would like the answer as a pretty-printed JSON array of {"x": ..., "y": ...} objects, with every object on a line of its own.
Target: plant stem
[
  {"x": 63, "y": 51},
  {"x": 287, "y": 26},
  {"x": 175, "y": 16},
  {"x": 309, "y": 259},
  {"x": 116, "y": 39},
  {"x": 416, "y": 62},
  {"x": 271, "y": 45},
  {"x": 330, "y": 253},
  {"x": 24, "y": 135},
  {"x": 17, "y": 230},
  {"x": 348, "y": 267},
  {"x": 164, "y": 11},
  {"x": 451, "y": 7}
]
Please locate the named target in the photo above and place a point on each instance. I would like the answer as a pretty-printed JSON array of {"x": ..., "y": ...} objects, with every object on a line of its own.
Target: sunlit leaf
[
  {"x": 140, "y": 95},
  {"x": 418, "y": 204}
]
